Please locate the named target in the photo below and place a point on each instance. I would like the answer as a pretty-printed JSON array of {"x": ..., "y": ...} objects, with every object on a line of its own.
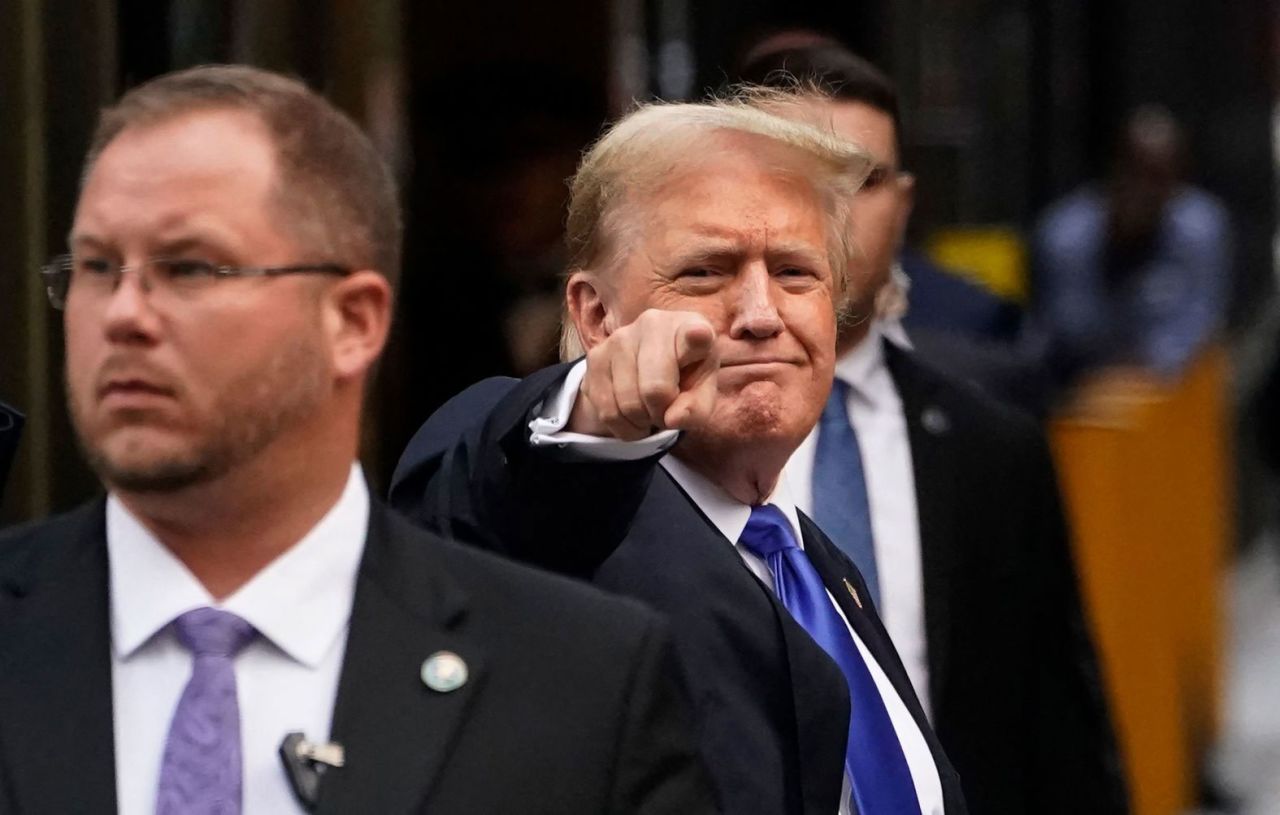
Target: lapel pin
[
  {"x": 935, "y": 421},
  {"x": 852, "y": 591},
  {"x": 444, "y": 671}
]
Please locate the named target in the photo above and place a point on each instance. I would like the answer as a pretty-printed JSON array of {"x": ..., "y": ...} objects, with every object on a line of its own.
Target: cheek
[
  {"x": 871, "y": 220},
  {"x": 85, "y": 348},
  {"x": 813, "y": 322}
]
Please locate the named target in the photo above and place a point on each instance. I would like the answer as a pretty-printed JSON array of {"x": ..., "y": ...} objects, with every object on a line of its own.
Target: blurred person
[
  {"x": 947, "y": 502},
  {"x": 11, "y": 422},
  {"x": 237, "y": 626},
  {"x": 709, "y": 260},
  {"x": 1131, "y": 273}
]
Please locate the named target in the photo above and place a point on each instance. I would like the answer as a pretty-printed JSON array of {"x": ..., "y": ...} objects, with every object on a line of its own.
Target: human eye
[
  {"x": 92, "y": 266},
  {"x": 695, "y": 272},
  {"x": 184, "y": 270},
  {"x": 796, "y": 277},
  {"x": 875, "y": 178},
  {"x": 795, "y": 272}
]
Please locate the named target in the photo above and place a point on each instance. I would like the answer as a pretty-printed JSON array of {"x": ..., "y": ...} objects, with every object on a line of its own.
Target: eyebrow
[
  {"x": 718, "y": 249},
  {"x": 171, "y": 247}
]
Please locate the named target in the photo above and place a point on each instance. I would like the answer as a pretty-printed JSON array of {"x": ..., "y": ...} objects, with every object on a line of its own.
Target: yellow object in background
[
  {"x": 1146, "y": 475},
  {"x": 994, "y": 257}
]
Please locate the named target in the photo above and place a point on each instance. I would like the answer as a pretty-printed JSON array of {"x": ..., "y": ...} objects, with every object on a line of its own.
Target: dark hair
[
  {"x": 332, "y": 181},
  {"x": 833, "y": 69}
]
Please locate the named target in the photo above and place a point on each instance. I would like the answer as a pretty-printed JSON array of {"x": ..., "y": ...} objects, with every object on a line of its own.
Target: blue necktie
[
  {"x": 840, "y": 489},
  {"x": 877, "y": 767}
]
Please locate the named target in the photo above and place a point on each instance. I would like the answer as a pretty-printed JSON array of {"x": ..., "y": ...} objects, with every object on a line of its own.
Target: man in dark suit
[
  {"x": 704, "y": 287},
  {"x": 237, "y": 627},
  {"x": 947, "y": 502}
]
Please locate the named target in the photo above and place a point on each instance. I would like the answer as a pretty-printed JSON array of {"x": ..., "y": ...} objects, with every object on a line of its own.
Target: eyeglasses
[{"x": 178, "y": 276}]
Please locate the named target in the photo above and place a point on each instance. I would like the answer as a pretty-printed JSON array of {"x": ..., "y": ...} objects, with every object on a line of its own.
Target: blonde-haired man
[{"x": 709, "y": 263}]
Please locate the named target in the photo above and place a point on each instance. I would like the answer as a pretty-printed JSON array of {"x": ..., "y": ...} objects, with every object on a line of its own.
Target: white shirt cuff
[{"x": 547, "y": 428}]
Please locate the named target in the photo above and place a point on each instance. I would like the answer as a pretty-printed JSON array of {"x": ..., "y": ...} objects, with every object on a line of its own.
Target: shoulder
[
  {"x": 969, "y": 411},
  {"x": 30, "y": 552},
  {"x": 1200, "y": 213},
  {"x": 498, "y": 405},
  {"x": 518, "y": 597}
]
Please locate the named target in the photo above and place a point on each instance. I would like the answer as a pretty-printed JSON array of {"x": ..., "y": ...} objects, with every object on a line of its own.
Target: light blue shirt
[{"x": 1164, "y": 311}]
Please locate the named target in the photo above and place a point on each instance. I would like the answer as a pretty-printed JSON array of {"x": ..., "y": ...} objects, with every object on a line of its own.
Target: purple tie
[{"x": 201, "y": 771}]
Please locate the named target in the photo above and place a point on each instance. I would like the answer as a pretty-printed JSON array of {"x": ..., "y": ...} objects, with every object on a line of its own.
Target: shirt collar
[
  {"x": 300, "y": 602},
  {"x": 857, "y": 366},
  {"x": 727, "y": 514}
]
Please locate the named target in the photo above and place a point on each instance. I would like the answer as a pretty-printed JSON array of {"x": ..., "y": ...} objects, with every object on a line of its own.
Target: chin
[
  {"x": 755, "y": 415},
  {"x": 137, "y": 460}
]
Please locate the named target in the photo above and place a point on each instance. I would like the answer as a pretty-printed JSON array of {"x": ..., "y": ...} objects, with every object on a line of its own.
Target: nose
[
  {"x": 755, "y": 310},
  {"x": 128, "y": 316}
]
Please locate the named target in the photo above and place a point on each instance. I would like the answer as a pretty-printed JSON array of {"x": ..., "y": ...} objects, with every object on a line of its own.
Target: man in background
[
  {"x": 238, "y": 627},
  {"x": 947, "y": 503},
  {"x": 1130, "y": 275}
]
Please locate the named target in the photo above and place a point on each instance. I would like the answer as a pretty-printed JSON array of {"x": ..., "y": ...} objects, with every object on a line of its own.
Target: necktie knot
[
  {"x": 210, "y": 632},
  {"x": 768, "y": 531}
]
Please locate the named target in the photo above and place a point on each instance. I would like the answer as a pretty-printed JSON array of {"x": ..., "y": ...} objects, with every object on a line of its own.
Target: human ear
[
  {"x": 587, "y": 305},
  {"x": 906, "y": 202},
  {"x": 357, "y": 319}
]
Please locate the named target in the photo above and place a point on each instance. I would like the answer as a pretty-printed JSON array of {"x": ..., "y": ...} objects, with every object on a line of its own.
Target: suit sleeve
[
  {"x": 1079, "y": 762},
  {"x": 471, "y": 474},
  {"x": 658, "y": 771}
]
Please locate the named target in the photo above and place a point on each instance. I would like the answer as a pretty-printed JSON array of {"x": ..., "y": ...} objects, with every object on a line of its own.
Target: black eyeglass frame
[{"x": 57, "y": 273}]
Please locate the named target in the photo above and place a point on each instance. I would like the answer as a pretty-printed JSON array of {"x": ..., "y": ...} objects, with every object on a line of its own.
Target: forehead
[
  {"x": 744, "y": 197},
  {"x": 867, "y": 125},
  {"x": 199, "y": 167}
]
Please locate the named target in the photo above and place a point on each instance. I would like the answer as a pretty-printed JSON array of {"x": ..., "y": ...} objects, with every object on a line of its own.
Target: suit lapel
[
  {"x": 55, "y": 674},
  {"x": 844, "y": 582},
  {"x": 396, "y": 731},
  {"x": 839, "y": 574},
  {"x": 815, "y": 692},
  {"x": 933, "y": 460}
]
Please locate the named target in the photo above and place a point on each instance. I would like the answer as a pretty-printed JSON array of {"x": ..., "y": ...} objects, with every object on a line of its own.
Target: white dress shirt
[
  {"x": 875, "y": 410},
  {"x": 730, "y": 516},
  {"x": 286, "y": 678}
]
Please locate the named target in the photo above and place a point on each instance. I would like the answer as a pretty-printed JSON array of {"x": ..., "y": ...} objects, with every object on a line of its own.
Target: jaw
[{"x": 747, "y": 442}]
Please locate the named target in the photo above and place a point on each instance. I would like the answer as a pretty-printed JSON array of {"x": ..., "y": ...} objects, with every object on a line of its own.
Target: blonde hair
[{"x": 642, "y": 149}]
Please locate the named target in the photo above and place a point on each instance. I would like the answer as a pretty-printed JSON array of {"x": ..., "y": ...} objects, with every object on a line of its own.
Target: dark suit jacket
[
  {"x": 771, "y": 708},
  {"x": 569, "y": 707},
  {"x": 1016, "y": 691}
]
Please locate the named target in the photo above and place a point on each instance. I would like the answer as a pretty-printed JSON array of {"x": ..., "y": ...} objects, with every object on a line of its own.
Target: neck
[
  {"x": 228, "y": 529},
  {"x": 749, "y": 476}
]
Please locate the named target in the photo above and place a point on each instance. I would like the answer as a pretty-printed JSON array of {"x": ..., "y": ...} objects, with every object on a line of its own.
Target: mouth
[
  {"x": 765, "y": 362},
  {"x": 132, "y": 392}
]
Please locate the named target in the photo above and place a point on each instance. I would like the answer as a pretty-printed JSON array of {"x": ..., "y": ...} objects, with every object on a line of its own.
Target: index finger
[{"x": 694, "y": 341}]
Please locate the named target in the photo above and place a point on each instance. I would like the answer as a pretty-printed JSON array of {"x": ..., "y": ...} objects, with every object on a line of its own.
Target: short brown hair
[{"x": 336, "y": 187}]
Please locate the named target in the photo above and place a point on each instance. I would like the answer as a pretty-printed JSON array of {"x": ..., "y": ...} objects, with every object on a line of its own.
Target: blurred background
[{"x": 1161, "y": 398}]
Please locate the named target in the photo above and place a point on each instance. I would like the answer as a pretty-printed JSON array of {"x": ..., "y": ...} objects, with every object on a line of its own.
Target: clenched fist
[{"x": 655, "y": 373}]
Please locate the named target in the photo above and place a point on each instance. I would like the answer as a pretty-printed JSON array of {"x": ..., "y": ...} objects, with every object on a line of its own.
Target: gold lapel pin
[{"x": 852, "y": 591}]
